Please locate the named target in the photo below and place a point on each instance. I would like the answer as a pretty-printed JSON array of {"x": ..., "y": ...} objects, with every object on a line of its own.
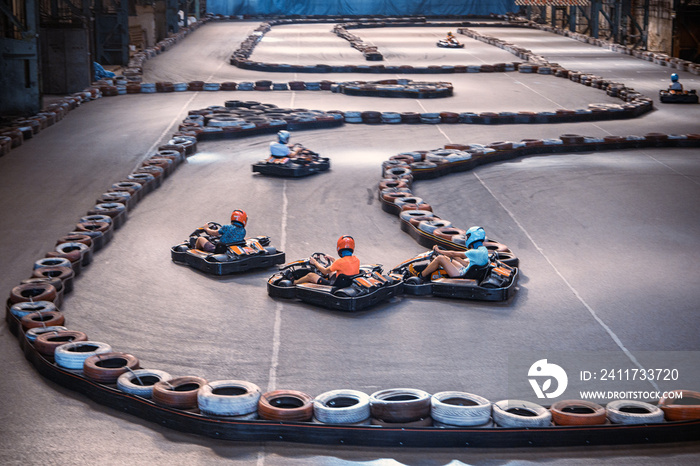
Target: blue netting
[{"x": 360, "y": 7}]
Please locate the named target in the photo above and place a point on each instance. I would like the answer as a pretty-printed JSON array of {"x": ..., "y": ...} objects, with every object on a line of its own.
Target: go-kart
[
  {"x": 496, "y": 281},
  {"x": 305, "y": 163},
  {"x": 668, "y": 96},
  {"x": 252, "y": 253},
  {"x": 348, "y": 293},
  {"x": 450, "y": 44}
]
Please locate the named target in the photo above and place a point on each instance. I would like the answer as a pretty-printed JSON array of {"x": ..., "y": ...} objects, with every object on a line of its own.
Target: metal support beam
[{"x": 112, "y": 32}]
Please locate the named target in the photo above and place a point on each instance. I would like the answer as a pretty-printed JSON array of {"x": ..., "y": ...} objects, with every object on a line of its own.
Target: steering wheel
[
  {"x": 321, "y": 259},
  {"x": 213, "y": 225}
]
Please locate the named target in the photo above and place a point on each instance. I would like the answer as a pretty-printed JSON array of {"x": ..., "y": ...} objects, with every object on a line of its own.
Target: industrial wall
[{"x": 360, "y": 7}]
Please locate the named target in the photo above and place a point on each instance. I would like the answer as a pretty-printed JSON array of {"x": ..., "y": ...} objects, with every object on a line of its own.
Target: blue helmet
[
  {"x": 674, "y": 77},
  {"x": 283, "y": 136},
  {"x": 475, "y": 235}
]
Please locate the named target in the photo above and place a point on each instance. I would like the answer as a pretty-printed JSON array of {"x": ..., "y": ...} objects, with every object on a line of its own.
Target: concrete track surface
[{"x": 608, "y": 245}]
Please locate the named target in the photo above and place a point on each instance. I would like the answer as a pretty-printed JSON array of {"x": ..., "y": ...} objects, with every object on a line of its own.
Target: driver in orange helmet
[
  {"x": 347, "y": 264},
  {"x": 225, "y": 236}
]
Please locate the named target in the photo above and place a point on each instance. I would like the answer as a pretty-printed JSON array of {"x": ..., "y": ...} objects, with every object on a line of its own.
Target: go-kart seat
[
  {"x": 343, "y": 281},
  {"x": 477, "y": 272}
]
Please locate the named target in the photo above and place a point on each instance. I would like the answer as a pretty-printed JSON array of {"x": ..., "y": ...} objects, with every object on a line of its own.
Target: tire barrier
[
  {"x": 633, "y": 412},
  {"x": 577, "y": 413},
  {"x": 70, "y": 356},
  {"x": 520, "y": 413},
  {"x": 395, "y": 88},
  {"x": 141, "y": 381},
  {"x": 108, "y": 367},
  {"x": 399, "y": 405},
  {"x": 685, "y": 410},
  {"x": 342, "y": 407},
  {"x": 73, "y": 355},
  {"x": 47, "y": 342},
  {"x": 229, "y": 398},
  {"x": 661, "y": 59},
  {"x": 460, "y": 409},
  {"x": 180, "y": 392},
  {"x": 429, "y": 229},
  {"x": 539, "y": 64},
  {"x": 286, "y": 405}
]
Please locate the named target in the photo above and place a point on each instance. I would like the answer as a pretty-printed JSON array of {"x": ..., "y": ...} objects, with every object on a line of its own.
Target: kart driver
[
  {"x": 347, "y": 264},
  {"x": 451, "y": 38},
  {"x": 459, "y": 264},
  {"x": 675, "y": 84},
  {"x": 281, "y": 149},
  {"x": 225, "y": 236}
]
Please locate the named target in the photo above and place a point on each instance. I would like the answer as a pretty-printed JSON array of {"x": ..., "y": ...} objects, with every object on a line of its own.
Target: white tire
[
  {"x": 538, "y": 416},
  {"x": 72, "y": 355},
  {"x": 406, "y": 215},
  {"x": 342, "y": 407},
  {"x": 228, "y": 398},
  {"x": 20, "y": 310},
  {"x": 618, "y": 413},
  {"x": 460, "y": 409},
  {"x": 140, "y": 381}
]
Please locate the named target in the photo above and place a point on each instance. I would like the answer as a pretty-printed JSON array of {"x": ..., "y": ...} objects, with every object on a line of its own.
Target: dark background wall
[{"x": 360, "y": 7}]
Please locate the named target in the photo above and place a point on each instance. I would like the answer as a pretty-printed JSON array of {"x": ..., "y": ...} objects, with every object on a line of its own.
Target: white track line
[
  {"x": 420, "y": 104},
  {"x": 276, "y": 339},
  {"x": 592, "y": 312},
  {"x": 175, "y": 120}
]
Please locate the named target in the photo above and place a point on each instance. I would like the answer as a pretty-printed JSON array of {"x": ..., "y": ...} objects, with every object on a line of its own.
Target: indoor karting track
[{"x": 606, "y": 243}]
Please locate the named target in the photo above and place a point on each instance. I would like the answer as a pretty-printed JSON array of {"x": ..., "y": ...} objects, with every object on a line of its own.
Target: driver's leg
[
  {"x": 308, "y": 278},
  {"x": 441, "y": 261},
  {"x": 204, "y": 244}
]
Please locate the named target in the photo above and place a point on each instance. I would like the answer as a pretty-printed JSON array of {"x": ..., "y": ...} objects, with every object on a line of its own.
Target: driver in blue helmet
[
  {"x": 281, "y": 149},
  {"x": 675, "y": 84},
  {"x": 459, "y": 264}
]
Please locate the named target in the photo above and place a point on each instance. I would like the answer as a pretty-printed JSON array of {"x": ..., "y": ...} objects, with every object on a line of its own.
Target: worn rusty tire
[
  {"x": 577, "y": 413},
  {"x": 107, "y": 367},
  {"x": 520, "y": 413},
  {"x": 460, "y": 409},
  {"x": 42, "y": 319},
  {"x": 228, "y": 398},
  {"x": 684, "y": 411},
  {"x": 286, "y": 405},
  {"x": 140, "y": 382},
  {"x": 72, "y": 355},
  {"x": 633, "y": 412},
  {"x": 180, "y": 392},
  {"x": 341, "y": 407},
  {"x": 32, "y": 292},
  {"x": 400, "y": 405},
  {"x": 47, "y": 342}
]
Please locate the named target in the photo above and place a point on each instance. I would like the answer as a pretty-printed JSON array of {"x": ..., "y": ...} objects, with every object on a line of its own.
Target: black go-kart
[
  {"x": 305, "y": 163},
  {"x": 348, "y": 293},
  {"x": 450, "y": 44},
  {"x": 252, "y": 253},
  {"x": 668, "y": 96},
  {"x": 496, "y": 281}
]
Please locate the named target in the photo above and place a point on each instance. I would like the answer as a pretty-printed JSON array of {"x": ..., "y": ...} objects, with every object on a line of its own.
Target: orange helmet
[
  {"x": 239, "y": 216},
  {"x": 346, "y": 242}
]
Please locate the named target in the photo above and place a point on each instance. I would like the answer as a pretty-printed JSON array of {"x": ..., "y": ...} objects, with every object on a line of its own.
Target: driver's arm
[
  {"x": 211, "y": 232},
  {"x": 324, "y": 270}
]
